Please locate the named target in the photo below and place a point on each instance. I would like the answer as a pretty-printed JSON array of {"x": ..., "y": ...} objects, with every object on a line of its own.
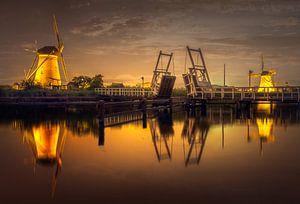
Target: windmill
[
  {"x": 48, "y": 61},
  {"x": 266, "y": 83}
]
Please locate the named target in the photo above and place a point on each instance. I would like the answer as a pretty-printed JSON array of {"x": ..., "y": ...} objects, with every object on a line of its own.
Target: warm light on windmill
[
  {"x": 45, "y": 69},
  {"x": 266, "y": 83}
]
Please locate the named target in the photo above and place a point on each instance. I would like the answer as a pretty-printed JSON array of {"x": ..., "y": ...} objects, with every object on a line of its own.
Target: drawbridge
[
  {"x": 162, "y": 82},
  {"x": 196, "y": 78}
]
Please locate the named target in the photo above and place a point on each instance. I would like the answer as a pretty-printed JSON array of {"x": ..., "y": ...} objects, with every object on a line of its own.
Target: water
[{"x": 180, "y": 158}]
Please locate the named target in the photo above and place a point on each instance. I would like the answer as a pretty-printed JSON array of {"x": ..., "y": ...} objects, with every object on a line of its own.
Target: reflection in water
[
  {"x": 265, "y": 107},
  {"x": 194, "y": 134},
  {"x": 46, "y": 141},
  {"x": 264, "y": 125},
  {"x": 169, "y": 135},
  {"x": 163, "y": 137}
]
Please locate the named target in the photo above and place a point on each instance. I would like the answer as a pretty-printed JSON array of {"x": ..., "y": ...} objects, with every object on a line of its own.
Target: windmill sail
[{"x": 45, "y": 69}]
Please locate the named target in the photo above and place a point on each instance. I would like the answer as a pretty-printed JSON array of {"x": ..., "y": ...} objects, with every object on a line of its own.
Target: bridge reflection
[
  {"x": 194, "y": 134},
  {"x": 162, "y": 133}
]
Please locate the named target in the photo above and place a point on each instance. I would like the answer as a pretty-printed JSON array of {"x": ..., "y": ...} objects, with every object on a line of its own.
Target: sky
[{"x": 121, "y": 39}]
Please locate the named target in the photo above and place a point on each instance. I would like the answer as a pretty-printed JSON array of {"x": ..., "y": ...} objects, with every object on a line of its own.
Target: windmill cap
[{"x": 48, "y": 50}]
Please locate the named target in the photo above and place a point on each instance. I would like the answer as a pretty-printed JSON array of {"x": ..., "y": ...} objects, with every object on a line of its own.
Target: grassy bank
[{"x": 4, "y": 92}]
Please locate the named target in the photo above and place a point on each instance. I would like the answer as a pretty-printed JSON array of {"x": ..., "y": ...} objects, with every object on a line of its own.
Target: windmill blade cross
[
  {"x": 62, "y": 60},
  {"x": 56, "y": 33},
  {"x": 31, "y": 67},
  {"x": 60, "y": 48}
]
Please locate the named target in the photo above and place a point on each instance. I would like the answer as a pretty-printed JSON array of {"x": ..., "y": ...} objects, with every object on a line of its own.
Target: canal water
[{"x": 217, "y": 156}]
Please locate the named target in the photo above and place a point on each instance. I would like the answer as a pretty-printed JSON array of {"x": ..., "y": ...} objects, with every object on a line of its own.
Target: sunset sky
[{"x": 120, "y": 39}]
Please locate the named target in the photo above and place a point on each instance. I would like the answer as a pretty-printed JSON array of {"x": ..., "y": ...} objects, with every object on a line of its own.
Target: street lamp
[{"x": 142, "y": 78}]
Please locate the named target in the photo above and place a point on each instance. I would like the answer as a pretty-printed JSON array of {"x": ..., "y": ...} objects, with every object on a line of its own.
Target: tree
[
  {"x": 97, "y": 81},
  {"x": 81, "y": 82},
  {"x": 29, "y": 84}
]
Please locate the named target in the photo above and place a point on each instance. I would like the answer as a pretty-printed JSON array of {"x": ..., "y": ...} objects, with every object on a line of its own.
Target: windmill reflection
[
  {"x": 162, "y": 136},
  {"x": 46, "y": 140},
  {"x": 265, "y": 124},
  {"x": 194, "y": 134}
]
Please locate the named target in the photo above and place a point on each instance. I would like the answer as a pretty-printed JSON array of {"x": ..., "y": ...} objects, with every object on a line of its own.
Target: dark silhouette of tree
[
  {"x": 29, "y": 84},
  {"x": 81, "y": 82},
  {"x": 97, "y": 81},
  {"x": 86, "y": 82}
]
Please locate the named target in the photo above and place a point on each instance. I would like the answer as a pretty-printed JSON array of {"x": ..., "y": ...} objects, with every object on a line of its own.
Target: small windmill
[
  {"x": 266, "y": 78},
  {"x": 48, "y": 61}
]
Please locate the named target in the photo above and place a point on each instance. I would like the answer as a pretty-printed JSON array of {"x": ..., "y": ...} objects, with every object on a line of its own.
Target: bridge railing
[
  {"x": 128, "y": 91},
  {"x": 280, "y": 93}
]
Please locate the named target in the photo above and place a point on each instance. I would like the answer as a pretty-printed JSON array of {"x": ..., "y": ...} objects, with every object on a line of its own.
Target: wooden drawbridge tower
[
  {"x": 163, "y": 81},
  {"x": 196, "y": 77}
]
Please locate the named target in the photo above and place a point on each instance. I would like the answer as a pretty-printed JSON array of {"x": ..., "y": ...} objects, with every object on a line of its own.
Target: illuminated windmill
[
  {"x": 48, "y": 61},
  {"x": 266, "y": 78}
]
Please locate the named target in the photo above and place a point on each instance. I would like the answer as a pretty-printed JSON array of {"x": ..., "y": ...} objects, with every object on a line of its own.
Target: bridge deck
[{"x": 279, "y": 93}]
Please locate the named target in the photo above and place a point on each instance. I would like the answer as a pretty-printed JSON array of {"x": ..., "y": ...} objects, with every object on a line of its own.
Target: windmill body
[
  {"x": 266, "y": 80},
  {"x": 48, "y": 74}
]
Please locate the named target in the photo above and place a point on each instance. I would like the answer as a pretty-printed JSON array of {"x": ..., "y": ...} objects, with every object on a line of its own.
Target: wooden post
[
  {"x": 242, "y": 94},
  {"x": 170, "y": 106},
  {"x": 143, "y": 106},
  {"x": 101, "y": 135},
  {"x": 237, "y": 109},
  {"x": 203, "y": 108},
  {"x": 222, "y": 93},
  {"x": 271, "y": 107},
  {"x": 101, "y": 116},
  {"x": 223, "y": 135},
  {"x": 101, "y": 111}
]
